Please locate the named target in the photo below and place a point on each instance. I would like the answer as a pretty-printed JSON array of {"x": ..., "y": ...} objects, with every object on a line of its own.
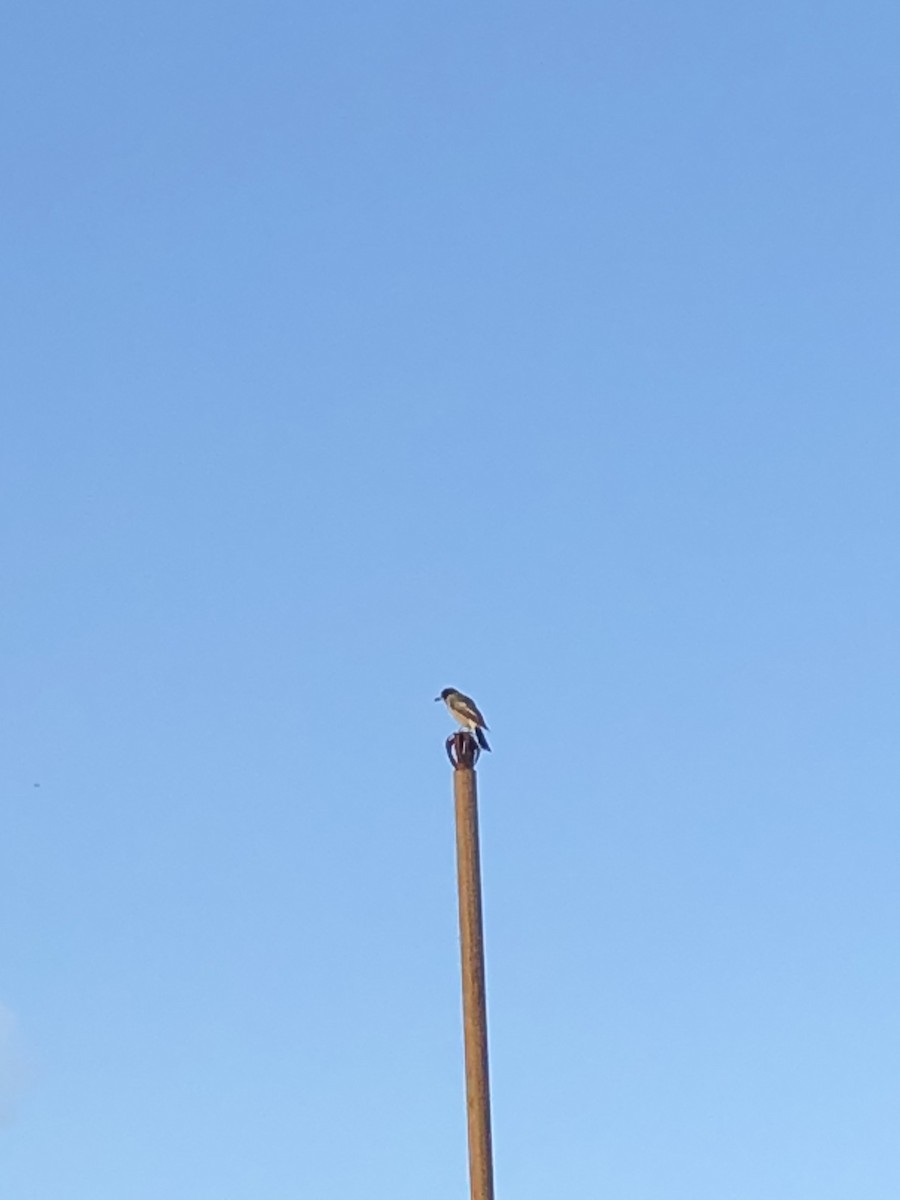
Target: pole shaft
[{"x": 471, "y": 940}]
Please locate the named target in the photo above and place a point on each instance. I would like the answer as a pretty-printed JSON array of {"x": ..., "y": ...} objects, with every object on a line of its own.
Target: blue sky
[{"x": 351, "y": 351}]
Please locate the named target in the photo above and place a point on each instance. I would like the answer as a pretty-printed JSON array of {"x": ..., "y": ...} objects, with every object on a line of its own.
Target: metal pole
[{"x": 462, "y": 750}]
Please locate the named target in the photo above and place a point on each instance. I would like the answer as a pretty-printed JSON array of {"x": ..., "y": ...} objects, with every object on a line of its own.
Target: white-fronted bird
[{"x": 464, "y": 710}]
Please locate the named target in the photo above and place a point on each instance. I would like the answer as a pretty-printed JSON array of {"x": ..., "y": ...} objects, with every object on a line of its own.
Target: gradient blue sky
[{"x": 548, "y": 350}]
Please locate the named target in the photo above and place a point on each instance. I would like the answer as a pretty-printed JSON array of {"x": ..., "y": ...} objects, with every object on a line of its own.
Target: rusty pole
[{"x": 462, "y": 750}]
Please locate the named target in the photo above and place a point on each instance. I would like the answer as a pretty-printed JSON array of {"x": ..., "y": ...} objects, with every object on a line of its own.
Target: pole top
[{"x": 462, "y": 750}]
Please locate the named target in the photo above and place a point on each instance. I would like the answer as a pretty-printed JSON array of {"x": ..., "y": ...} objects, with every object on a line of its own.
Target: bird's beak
[{"x": 437, "y": 697}]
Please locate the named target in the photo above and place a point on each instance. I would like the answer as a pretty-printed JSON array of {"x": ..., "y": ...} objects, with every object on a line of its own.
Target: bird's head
[{"x": 445, "y": 693}]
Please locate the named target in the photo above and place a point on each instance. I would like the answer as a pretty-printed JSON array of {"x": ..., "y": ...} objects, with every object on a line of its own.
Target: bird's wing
[{"x": 470, "y": 708}]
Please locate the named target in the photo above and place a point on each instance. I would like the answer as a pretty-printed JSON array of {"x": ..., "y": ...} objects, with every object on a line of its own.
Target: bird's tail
[{"x": 482, "y": 740}]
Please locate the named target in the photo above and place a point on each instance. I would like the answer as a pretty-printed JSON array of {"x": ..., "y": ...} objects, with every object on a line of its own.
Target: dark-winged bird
[{"x": 465, "y": 711}]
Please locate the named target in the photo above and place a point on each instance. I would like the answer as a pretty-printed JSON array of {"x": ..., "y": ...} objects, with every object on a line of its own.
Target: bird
[{"x": 466, "y": 712}]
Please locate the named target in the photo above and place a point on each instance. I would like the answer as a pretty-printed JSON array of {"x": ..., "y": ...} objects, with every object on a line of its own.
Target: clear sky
[{"x": 545, "y": 350}]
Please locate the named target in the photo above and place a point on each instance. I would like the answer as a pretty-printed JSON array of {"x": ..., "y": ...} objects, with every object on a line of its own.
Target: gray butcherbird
[{"x": 465, "y": 711}]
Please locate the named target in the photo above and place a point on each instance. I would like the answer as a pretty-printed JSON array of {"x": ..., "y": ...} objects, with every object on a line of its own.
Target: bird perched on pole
[{"x": 464, "y": 710}]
